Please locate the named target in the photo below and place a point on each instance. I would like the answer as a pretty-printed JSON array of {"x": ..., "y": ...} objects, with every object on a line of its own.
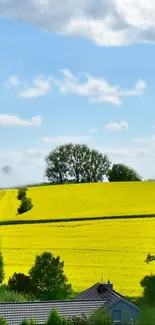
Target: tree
[
  {"x": 20, "y": 283},
  {"x": 21, "y": 193},
  {"x": 122, "y": 173},
  {"x": 26, "y": 205},
  {"x": 76, "y": 162},
  {"x": 148, "y": 283},
  {"x": 96, "y": 167},
  {"x": 2, "y": 275},
  {"x": 48, "y": 277},
  {"x": 58, "y": 164}
]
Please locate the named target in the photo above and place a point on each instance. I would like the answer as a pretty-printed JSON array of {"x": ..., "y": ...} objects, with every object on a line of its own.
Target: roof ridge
[{"x": 50, "y": 302}]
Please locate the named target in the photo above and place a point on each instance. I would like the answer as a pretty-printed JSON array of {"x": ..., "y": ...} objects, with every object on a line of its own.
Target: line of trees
[{"x": 77, "y": 163}]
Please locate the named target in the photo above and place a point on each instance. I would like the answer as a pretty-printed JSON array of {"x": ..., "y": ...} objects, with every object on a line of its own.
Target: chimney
[{"x": 108, "y": 285}]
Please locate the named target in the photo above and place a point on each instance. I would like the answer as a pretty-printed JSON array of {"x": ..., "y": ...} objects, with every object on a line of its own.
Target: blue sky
[{"x": 83, "y": 81}]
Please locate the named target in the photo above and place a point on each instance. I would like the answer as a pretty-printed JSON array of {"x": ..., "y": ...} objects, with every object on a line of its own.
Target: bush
[
  {"x": 148, "y": 283},
  {"x": 3, "y": 321},
  {"x": 9, "y": 296},
  {"x": 83, "y": 320},
  {"x": 20, "y": 283},
  {"x": 26, "y": 205},
  {"x": 55, "y": 319},
  {"x": 21, "y": 193}
]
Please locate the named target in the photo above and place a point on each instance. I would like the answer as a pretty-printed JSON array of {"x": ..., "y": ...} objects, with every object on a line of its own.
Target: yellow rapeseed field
[
  {"x": 114, "y": 249},
  {"x": 83, "y": 200}
]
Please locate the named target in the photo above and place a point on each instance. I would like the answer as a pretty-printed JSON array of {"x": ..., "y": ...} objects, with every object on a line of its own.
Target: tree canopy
[
  {"x": 76, "y": 162},
  {"x": 2, "y": 275},
  {"x": 122, "y": 173},
  {"x": 48, "y": 278}
]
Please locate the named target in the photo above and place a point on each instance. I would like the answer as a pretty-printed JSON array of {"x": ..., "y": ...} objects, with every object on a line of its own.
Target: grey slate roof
[
  {"x": 110, "y": 296},
  {"x": 14, "y": 313}
]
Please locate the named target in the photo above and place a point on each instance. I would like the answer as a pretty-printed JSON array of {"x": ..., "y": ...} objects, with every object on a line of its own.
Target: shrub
[
  {"x": 3, "y": 321},
  {"x": 20, "y": 283},
  {"x": 148, "y": 284},
  {"x": 2, "y": 275},
  {"x": 55, "y": 319},
  {"x": 83, "y": 320},
  {"x": 9, "y": 296},
  {"x": 21, "y": 193},
  {"x": 26, "y": 205}
]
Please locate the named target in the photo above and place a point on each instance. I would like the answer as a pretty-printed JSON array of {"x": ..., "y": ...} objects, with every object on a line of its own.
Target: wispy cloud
[
  {"x": 12, "y": 81},
  {"x": 7, "y": 120},
  {"x": 65, "y": 139},
  {"x": 105, "y": 22},
  {"x": 92, "y": 130},
  {"x": 96, "y": 89},
  {"x": 127, "y": 152},
  {"x": 40, "y": 87},
  {"x": 114, "y": 126}
]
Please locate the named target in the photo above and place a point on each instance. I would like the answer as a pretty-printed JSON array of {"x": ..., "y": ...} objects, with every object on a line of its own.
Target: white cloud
[
  {"x": 13, "y": 81},
  {"x": 14, "y": 120},
  {"x": 114, "y": 126},
  {"x": 96, "y": 89},
  {"x": 65, "y": 139},
  {"x": 40, "y": 87},
  {"x": 149, "y": 140},
  {"x": 105, "y": 22},
  {"x": 127, "y": 152},
  {"x": 92, "y": 130}
]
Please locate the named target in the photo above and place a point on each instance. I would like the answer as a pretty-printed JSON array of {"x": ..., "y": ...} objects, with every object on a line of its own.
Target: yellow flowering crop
[
  {"x": 112, "y": 249},
  {"x": 83, "y": 200}
]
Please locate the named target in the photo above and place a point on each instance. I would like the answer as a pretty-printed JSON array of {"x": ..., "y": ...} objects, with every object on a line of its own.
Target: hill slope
[{"x": 82, "y": 200}]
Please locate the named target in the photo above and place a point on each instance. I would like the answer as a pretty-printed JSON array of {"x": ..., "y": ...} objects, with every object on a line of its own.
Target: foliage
[
  {"x": 26, "y": 205},
  {"x": 150, "y": 258},
  {"x": 147, "y": 316},
  {"x": 83, "y": 320},
  {"x": 3, "y": 321},
  {"x": 21, "y": 193},
  {"x": 77, "y": 162},
  {"x": 20, "y": 283},
  {"x": 48, "y": 277},
  {"x": 57, "y": 164},
  {"x": 99, "y": 319},
  {"x": 148, "y": 283},
  {"x": 2, "y": 275},
  {"x": 9, "y": 296},
  {"x": 55, "y": 319},
  {"x": 122, "y": 173}
]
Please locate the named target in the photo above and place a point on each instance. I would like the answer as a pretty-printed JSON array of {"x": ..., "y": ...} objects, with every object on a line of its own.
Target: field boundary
[{"x": 30, "y": 222}]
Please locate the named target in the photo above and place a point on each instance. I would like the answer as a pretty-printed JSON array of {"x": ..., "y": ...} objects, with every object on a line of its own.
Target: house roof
[
  {"x": 14, "y": 313},
  {"x": 110, "y": 296}
]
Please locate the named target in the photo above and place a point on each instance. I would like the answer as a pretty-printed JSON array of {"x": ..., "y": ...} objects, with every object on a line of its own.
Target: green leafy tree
[
  {"x": 58, "y": 164},
  {"x": 26, "y": 205},
  {"x": 2, "y": 274},
  {"x": 96, "y": 167},
  {"x": 21, "y": 193},
  {"x": 76, "y": 162},
  {"x": 20, "y": 283},
  {"x": 48, "y": 277},
  {"x": 122, "y": 173},
  {"x": 148, "y": 284}
]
